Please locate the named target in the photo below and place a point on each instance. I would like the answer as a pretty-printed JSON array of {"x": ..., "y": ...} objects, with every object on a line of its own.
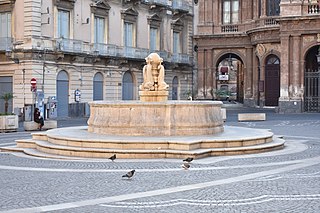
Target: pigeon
[
  {"x": 113, "y": 157},
  {"x": 188, "y": 160},
  {"x": 129, "y": 174},
  {"x": 186, "y": 166}
]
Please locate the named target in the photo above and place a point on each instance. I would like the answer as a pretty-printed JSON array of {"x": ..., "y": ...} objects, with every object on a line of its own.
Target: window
[
  {"x": 5, "y": 24},
  {"x": 154, "y": 38},
  {"x": 154, "y": 33},
  {"x": 273, "y": 7},
  {"x": 128, "y": 34},
  {"x": 129, "y": 18},
  {"x": 63, "y": 24},
  {"x": 99, "y": 30},
  {"x": 230, "y": 11},
  {"x": 176, "y": 42}
]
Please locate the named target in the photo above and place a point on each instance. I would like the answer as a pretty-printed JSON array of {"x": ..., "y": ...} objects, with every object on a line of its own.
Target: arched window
[
  {"x": 273, "y": 7},
  {"x": 175, "y": 84},
  {"x": 127, "y": 86},
  {"x": 62, "y": 94},
  {"x": 98, "y": 86}
]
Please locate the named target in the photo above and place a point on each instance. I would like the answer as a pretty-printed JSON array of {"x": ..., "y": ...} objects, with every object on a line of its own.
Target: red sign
[{"x": 33, "y": 81}]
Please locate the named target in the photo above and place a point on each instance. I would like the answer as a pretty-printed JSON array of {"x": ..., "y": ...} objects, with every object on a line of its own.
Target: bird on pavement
[
  {"x": 113, "y": 157},
  {"x": 129, "y": 174},
  {"x": 188, "y": 160},
  {"x": 186, "y": 166}
]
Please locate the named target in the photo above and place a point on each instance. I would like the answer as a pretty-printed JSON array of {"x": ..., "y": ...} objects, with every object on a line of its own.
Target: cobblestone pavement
[{"x": 281, "y": 181}]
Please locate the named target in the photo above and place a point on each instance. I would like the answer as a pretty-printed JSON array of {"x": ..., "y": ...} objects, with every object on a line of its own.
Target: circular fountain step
[{"x": 78, "y": 142}]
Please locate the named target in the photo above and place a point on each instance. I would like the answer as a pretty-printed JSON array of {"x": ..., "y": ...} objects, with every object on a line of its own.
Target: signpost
[{"x": 33, "y": 82}]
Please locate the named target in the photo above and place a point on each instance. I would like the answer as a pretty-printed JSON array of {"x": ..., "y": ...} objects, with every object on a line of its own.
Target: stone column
[
  {"x": 248, "y": 99},
  {"x": 284, "y": 68},
  {"x": 201, "y": 74},
  {"x": 209, "y": 75},
  {"x": 295, "y": 76}
]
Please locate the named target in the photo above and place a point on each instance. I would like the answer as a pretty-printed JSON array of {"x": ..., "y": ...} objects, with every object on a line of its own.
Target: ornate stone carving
[
  {"x": 260, "y": 50},
  {"x": 153, "y": 74}
]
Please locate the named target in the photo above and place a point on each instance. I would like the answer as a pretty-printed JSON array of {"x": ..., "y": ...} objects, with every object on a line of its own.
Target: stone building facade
[
  {"x": 95, "y": 49},
  {"x": 271, "y": 46}
]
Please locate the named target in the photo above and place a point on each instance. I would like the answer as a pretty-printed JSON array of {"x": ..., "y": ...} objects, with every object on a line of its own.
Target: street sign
[{"x": 33, "y": 82}]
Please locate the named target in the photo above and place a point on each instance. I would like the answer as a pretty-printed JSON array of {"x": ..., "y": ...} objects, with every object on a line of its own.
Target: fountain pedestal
[{"x": 153, "y": 96}]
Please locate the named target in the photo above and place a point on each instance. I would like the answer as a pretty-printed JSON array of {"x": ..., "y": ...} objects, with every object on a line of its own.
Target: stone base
[
  {"x": 251, "y": 116},
  {"x": 153, "y": 96},
  {"x": 31, "y": 125},
  {"x": 290, "y": 106}
]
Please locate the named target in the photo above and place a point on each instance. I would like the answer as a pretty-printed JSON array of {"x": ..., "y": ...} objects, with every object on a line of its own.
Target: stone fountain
[{"x": 152, "y": 127}]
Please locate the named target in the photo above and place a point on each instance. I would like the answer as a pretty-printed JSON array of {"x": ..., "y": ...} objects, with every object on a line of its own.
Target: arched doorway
[
  {"x": 175, "y": 85},
  {"x": 312, "y": 80},
  {"x": 127, "y": 86},
  {"x": 272, "y": 81},
  {"x": 229, "y": 78},
  {"x": 98, "y": 86},
  {"x": 62, "y": 94}
]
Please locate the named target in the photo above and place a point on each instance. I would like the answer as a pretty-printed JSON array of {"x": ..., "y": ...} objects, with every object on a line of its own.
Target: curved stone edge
[{"x": 81, "y": 154}]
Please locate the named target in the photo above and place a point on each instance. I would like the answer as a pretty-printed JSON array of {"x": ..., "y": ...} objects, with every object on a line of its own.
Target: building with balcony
[
  {"x": 265, "y": 52},
  {"x": 94, "y": 47}
]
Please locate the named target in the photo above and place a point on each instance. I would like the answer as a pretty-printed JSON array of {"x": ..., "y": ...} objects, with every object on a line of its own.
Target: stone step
[
  {"x": 58, "y": 151},
  {"x": 80, "y": 137}
]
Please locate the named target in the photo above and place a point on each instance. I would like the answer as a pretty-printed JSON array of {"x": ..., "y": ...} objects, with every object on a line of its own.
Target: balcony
[
  {"x": 69, "y": 45},
  {"x": 180, "y": 58},
  {"x": 105, "y": 49},
  {"x": 133, "y": 52},
  {"x": 181, "y": 5},
  {"x": 6, "y": 43},
  {"x": 229, "y": 28}
]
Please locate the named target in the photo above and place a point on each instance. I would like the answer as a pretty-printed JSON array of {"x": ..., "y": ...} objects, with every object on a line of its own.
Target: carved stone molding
[
  {"x": 68, "y": 4},
  {"x": 155, "y": 20},
  {"x": 129, "y": 15},
  {"x": 7, "y": 6},
  {"x": 177, "y": 25},
  {"x": 260, "y": 50},
  {"x": 101, "y": 8}
]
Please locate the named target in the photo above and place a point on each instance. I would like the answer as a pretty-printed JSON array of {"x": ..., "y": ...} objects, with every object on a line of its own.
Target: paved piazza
[{"x": 280, "y": 181}]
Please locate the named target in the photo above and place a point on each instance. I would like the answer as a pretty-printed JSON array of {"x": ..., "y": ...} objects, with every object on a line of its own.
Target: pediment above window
[
  {"x": 68, "y": 4},
  {"x": 101, "y": 8},
  {"x": 7, "y": 6},
  {"x": 155, "y": 20},
  {"x": 177, "y": 25},
  {"x": 129, "y": 14}
]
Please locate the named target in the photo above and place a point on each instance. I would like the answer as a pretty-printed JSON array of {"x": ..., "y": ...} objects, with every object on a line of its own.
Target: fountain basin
[{"x": 170, "y": 118}]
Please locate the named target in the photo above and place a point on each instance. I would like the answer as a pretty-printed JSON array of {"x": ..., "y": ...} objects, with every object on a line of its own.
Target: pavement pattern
[{"x": 281, "y": 181}]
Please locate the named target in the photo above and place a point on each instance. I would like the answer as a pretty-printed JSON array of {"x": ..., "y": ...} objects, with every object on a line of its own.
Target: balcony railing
[
  {"x": 106, "y": 49},
  {"x": 133, "y": 52},
  {"x": 180, "y": 58},
  {"x": 270, "y": 21},
  {"x": 70, "y": 45},
  {"x": 6, "y": 43},
  {"x": 314, "y": 8},
  {"x": 180, "y": 5},
  {"x": 229, "y": 28}
]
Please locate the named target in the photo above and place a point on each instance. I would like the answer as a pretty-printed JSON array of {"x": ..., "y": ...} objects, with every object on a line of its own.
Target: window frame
[
  {"x": 7, "y": 24},
  {"x": 273, "y": 7},
  {"x": 233, "y": 15},
  {"x": 59, "y": 23}
]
